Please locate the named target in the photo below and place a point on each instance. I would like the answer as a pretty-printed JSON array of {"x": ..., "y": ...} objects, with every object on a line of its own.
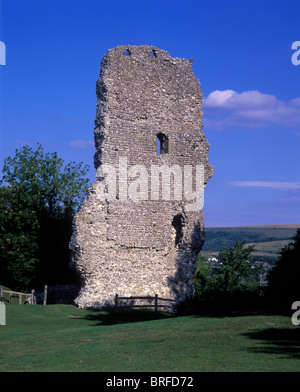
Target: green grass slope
[{"x": 63, "y": 338}]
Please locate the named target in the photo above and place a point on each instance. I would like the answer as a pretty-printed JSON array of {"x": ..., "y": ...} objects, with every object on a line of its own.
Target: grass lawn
[{"x": 67, "y": 339}]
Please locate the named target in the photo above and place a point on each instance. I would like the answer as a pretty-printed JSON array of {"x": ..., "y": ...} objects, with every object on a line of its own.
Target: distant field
[
  {"x": 269, "y": 248},
  {"x": 278, "y": 231},
  {"x": 293, "y": 226},
  {"x": 267, "y": 239}
]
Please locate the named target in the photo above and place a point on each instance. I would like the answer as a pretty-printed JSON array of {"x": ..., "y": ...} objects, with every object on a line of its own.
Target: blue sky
[{"x": 242, "y": 52}]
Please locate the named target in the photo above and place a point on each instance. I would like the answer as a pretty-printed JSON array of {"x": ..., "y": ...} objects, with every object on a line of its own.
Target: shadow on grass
[
  {"x": 110, "y": 317},
  {"x": 283, "y": 341}
]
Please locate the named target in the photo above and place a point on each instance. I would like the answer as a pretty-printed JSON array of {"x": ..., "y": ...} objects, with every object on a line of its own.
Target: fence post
[
  {"x": 116, "y": 303},
  {"x": 1, "y": 293},
  {"x": 32, "y": 296},
  {"x": 10, "y": 298},
  {"x": 20, "y": 299},
  {"x": 156, "y": 302},
  {"x": 45, "y": 295}
]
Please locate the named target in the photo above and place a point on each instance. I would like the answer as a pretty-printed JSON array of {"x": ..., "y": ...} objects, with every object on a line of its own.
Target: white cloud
[
  {"x": 249, "y": 109},
  {"x": 268, "y": 184},
  {"x": 81, "y": 143},
  {"x": 230, "y": 99}
]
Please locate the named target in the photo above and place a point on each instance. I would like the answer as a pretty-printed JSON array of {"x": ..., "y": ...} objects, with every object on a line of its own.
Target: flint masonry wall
[{"x": 141, "y": 247}]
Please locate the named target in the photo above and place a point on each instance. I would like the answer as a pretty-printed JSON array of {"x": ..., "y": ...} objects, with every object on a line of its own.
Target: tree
[
  {"x": 231, "y": 283},
  {"x": 18, "y": 237},
  {"x": 284, "y": 278},
  {"x": 57, "y": 188},
  {"x": 238, "y": 272},
  {"x": 39, "y": 195},
  {"x": 201, "y": 274}
]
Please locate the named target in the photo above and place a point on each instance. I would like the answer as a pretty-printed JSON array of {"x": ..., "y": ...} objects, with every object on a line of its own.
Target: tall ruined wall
[{"x": 148, "y": 243}]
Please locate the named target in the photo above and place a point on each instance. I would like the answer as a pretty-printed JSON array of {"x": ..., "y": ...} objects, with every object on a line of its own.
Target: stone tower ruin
[{"x": 133, "y": 236}]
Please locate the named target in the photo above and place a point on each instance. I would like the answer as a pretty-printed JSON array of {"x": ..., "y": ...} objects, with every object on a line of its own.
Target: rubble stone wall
[{"x": 148, "y": 246}]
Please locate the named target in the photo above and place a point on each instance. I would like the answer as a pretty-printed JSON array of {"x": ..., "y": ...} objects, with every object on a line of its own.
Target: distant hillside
[{"x": 268, "y": 239}]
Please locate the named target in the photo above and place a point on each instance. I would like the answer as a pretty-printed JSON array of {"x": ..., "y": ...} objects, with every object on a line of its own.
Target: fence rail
[
  {"x": 156, "y": 305},
  {"x": 16, "y": 294},
  {"x": 13, "y": 294}
]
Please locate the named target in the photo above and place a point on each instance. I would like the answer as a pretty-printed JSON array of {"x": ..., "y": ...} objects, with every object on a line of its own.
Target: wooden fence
[
  {"x": 16, "y": 294},
  {"x": 118, "y": 305},
  {"x": 156, "y": 304}
]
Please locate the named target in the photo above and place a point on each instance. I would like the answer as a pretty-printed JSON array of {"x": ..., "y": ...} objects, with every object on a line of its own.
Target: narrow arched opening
[{"x": 162, "y": 143}]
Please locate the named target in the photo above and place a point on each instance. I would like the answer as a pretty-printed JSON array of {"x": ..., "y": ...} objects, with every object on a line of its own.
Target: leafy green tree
[
  {"x": 238, "y": 272},
  {"x": 284, "y": 278},
  {"x": 39, "y": 195},
  {"x": 18, "y": 237},
  {"x": 56, "y": 187},
  {"x": 201, "y": 274},
  {"x": 231, "y": 283}
]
